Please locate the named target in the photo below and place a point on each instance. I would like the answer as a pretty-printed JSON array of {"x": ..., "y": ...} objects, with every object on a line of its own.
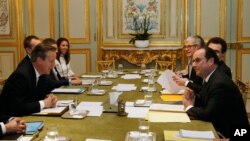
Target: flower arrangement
[{"x": 141, "y": 18}]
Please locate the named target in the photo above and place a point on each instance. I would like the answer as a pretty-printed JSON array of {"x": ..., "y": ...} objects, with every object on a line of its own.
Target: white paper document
[
  {"x": 90, "y": 76},
  {"x": 131, "y": 76},
  {"x": 124, "y": 87},
  {"x": 209, "y": 135},
  {"x": 154, "y": 116},
  {"x": 94, "y": 108},
  {"x": 96, "y": 140},
  {"x": 63, "y": 103},
  {"x": 53, "y": 110},
  {"x": 167, "y": 107},
  {"x": 167, "y": 82},
  {"x": 69, "y": 90},
  {"x": 137, "y": 112}
]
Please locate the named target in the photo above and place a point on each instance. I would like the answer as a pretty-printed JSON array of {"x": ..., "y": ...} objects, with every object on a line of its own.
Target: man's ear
[{"x": 210, "y": 61}]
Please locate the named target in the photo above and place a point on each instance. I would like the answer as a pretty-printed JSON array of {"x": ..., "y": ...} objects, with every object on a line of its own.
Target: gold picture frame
[{"x": 5, "y": 17}]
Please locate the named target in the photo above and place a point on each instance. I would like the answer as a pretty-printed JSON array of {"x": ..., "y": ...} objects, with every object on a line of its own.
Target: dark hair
[
  {"x": 67, "y": 55},
  {"x": 41, "y": 51},
  {"x": 27, "y": 41},
  {"x": 210, "y": 53},
  {"x": 201, "y": 40},
  {"x": 49, "y": 41},
  {"x": 218, "y": 40}
]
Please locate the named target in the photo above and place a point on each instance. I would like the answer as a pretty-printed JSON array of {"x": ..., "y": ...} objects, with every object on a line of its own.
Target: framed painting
[
  {"x": 140, "y": 13},
  {"x": 5, "y": 17}
]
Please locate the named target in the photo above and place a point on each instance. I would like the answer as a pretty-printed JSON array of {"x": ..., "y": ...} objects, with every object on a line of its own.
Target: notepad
[
  {"x": 172, "y": 97},
  {"x": 69, "y": 90}
]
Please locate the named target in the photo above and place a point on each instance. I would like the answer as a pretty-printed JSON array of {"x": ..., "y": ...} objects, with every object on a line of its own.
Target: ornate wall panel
[
  {"x": 243, "y": 21},
  {"x": 210, "y": 18},
  {"x": 80, "y": 60},
  {"x": 243, "y": 69},
  {"x": 113, "y": 33},
  {"x": 41, "y": 21},
  {"x": 76, "y": 21},
  {"x": 6, "y": 68}
]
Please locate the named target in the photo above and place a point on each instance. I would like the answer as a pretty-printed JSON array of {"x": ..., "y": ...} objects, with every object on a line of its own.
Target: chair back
[
  {"x": 105, "y": 64},
  {"x": 243, "y": 87},
  {"x": 163, "y": 65}
]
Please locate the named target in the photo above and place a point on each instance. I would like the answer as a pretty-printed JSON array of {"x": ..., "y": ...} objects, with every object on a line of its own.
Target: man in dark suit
[
  {"x": 219, "y": 100},
  {"x": 11, "y": 125},
  {"x": 219, "y": 45},
  {"x": 190, "y": 79},
  {"x": 27, "y": 89}
]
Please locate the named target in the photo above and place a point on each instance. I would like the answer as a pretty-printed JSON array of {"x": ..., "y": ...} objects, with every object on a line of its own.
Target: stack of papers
[
  {"x": 167, "y": 107},
  {"x": 94, "y": 108},
  {"x": 208, "y": 135},
  {"x": 137, "y": 112},
  {"x": 124, "y": 87},
  {"x": 69, "y": 90},
  {"x": 131, "y": 76},
  {"x": 90, "y": 76}
]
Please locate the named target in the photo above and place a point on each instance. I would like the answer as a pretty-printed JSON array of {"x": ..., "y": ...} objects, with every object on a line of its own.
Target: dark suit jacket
[
  {"x": 221, "y": 103},
  {"x": 223, "y": 67},
  {"x": 21, "y": 95}
]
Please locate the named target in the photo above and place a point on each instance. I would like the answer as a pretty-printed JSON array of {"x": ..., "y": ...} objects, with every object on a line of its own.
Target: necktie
[{"x": 189, "y": 68}]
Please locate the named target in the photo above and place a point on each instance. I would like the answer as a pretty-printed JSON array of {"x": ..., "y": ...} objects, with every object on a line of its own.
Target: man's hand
[
  {"x": 50, "y": 101},
  {"x": 188, "y": 97},
  {"x": 180, "y": 81},
  {"x": 16, "y": 125}
]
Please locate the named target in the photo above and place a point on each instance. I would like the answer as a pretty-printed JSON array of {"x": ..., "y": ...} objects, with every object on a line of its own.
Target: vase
[{"x": 141, "y": 43}]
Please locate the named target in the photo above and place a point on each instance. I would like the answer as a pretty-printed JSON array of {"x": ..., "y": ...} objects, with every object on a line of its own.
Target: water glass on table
[
  {"x": 52, "y": 134},
  {"x": 144, "y": 130}
]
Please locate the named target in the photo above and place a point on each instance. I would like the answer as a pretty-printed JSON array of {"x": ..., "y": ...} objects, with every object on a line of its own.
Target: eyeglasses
[{"x": 188, "y": 46}]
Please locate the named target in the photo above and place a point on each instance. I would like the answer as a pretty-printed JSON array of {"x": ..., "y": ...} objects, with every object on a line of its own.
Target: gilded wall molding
[
  {"x": 240, "y": 9},
  {"x": 240, "y": 53},
  {"x": 14, "y": 57},
  {"x": 31, "y": 15},
  {"x": 86, "y": 52},
  {"x": 112, "y": 16},
  {"x": 234, "y": 45},
  {"x": 66, "y": 28}
]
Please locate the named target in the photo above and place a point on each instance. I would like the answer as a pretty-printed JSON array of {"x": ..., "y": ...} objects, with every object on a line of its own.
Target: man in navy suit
[
  {"x": 219, "y": 45},
  {"x": 219, "y": 100},
  {"x": 27, "y": 89}
]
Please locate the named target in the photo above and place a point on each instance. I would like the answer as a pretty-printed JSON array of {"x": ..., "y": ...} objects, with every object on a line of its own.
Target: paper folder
[{"x": 172, "y": 97}]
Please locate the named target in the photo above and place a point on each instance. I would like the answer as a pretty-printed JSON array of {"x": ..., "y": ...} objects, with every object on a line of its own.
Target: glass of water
[
  {"x": 143, "y": 129},
  {"x": 52, "y": 134},
  {"x": 120, "y": 67},
  {"x": 72, "y": 106}
]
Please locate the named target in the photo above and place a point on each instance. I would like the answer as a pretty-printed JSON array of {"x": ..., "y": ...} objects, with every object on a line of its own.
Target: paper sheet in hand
[
  {"x": 154, "y": 116},
  {"x": 71, "y": 90},
  {"x": 167, "y": 82},
  {"x": 197, "y": 134}
]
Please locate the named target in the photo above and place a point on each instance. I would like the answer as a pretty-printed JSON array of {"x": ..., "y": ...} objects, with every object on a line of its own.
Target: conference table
[{"x": 110, "y": 126}]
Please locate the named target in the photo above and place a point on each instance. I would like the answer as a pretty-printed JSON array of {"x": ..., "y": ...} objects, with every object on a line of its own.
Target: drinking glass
[
  {"x": 94, "y": 88},
  {"x": 52, "y": 134},
  {"x": 72, "y": 106},
  {"x": 143, "y": 66},
  {"x": 143, "y": 128},
  {"x": 120, "y": 67},
  {"x": 148, "y": 97}
]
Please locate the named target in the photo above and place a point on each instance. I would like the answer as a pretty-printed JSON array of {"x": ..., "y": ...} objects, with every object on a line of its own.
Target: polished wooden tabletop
[{"x": 110, "y": 126}]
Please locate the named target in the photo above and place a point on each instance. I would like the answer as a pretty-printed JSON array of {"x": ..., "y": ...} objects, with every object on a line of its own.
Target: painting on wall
[
  {"x": 4, "y": 17},
  {"x": 141, "y": 14}
]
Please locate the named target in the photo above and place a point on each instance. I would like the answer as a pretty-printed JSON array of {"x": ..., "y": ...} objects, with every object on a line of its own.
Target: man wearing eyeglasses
[{"x": 188, "y": 78}]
